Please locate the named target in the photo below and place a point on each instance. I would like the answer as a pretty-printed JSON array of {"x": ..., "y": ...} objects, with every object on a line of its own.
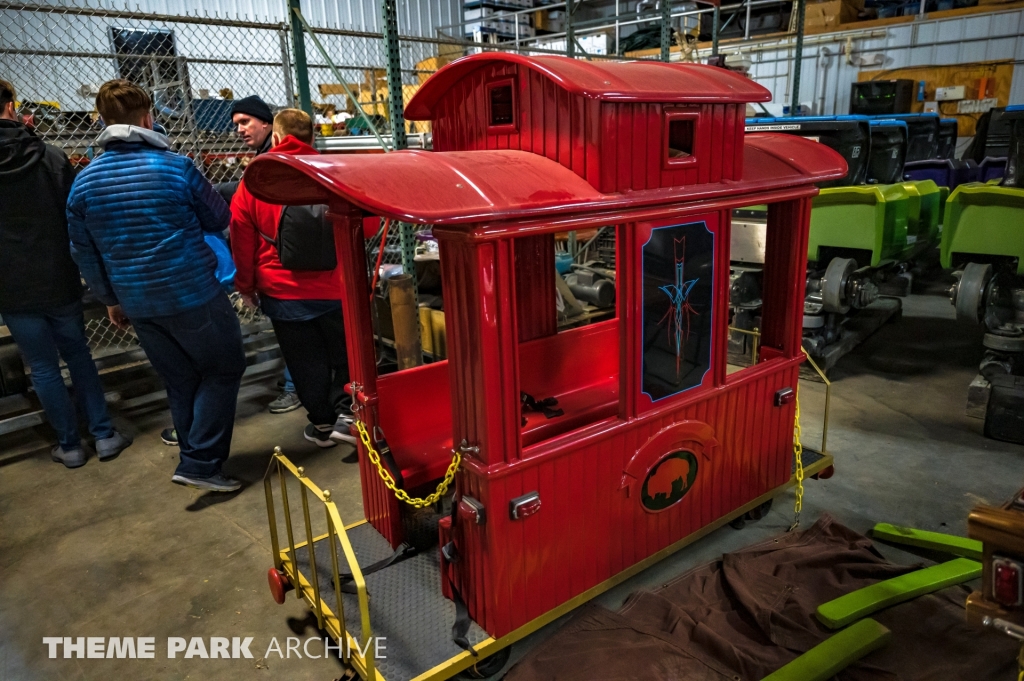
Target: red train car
[{"x": 657, "y": 441}]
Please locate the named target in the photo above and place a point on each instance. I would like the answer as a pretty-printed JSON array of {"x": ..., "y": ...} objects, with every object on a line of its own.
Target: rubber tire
[
  {"x": 825, "y": 473},
  {"x": 489, "y": 666},
  {"x": 833, "y": 284},
  {"x": 970, "y": 293},
  {"x": 753, "y": 515}
]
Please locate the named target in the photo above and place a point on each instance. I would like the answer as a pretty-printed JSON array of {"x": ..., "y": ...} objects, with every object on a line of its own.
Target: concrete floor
[{"x": 115, "y": 549}]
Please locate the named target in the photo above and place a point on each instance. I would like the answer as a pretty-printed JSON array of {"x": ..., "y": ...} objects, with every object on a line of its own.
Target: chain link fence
[{"x": 58, "y": 53}]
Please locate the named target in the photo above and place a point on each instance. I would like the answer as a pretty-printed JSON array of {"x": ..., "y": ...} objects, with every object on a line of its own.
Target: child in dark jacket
[{"x": 137, "y": 216}]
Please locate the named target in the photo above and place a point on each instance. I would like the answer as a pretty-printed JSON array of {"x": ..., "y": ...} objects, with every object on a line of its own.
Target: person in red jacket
[{"x": 304, "y": 306}]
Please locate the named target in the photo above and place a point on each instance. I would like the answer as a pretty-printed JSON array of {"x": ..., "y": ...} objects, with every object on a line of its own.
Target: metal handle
[{"x": 1009, "y": 628}]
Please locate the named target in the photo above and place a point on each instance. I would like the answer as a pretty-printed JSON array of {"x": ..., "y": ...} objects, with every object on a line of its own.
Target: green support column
[
  {"x": 396, "y": 107},
  {"x": 715, "y": 27},
  {"x": 570, "y": 32},
  {"x": 801, "y": 10},
  {"x": 666, "y": 29},
  {"x": 299, "y": 48},
  {"x": 396, "y": 111}
]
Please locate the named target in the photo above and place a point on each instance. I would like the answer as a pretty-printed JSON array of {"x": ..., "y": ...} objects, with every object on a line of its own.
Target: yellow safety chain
[
  {"x": 389, "y": 481},
  {"x": 798, "y": 451}
]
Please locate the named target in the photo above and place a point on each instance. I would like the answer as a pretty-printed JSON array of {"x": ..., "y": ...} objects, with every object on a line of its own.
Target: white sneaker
[{"x": 343, "y": 430}]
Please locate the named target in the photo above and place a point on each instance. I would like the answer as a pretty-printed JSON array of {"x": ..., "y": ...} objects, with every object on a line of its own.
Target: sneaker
[
  {"x": 284, "y": 403},
  {"x": 108, "y": 448},
  {"x": 319, "y": 436},
  {"x": 214, "y": 483},
  {"x": 72, "y": 458},
  {"x": 343, "y": 430},
  {"x": 169, "y": 436}
]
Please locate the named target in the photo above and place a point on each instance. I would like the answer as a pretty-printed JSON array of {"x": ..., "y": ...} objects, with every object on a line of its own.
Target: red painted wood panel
[
  {"x": 578, "y": 540},
  {"x": 578, "y": 136},
  {"x": 535, "y": 286},
  {"x": 622, "y": 137},
  {"x": 717, "y": 147},
  {"x": 615, "y": 146},
  {"x": 609, "y": 148},
  {"x": 653, "y": 144},
  {"x": 537, "y": 112},
  {"x": 593, "y": 142},
  {"x": 737, "y": 165}
]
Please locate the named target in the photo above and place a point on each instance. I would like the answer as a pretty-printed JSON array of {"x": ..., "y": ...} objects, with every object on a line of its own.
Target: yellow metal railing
[
  {"x": 755, "y": 344},
  {"x": 828, "y": 399},
  {"x": 307, "y": 587}
]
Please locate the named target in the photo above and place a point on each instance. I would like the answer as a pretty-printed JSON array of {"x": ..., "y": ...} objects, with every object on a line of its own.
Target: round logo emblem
[{"x": 669, "y": 481}]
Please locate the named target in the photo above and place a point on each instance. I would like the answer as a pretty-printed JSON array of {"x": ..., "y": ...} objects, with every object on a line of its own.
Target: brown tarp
[{"x": 746, "y": 615}]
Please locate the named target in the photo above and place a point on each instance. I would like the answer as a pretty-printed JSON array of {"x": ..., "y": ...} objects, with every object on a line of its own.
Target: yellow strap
[{"x": 389, "y": 481}]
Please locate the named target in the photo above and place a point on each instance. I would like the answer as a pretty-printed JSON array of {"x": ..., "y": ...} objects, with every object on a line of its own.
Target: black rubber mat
[
  {"x": 809, "y": 458},
  {"x": 406, "y": 605}
]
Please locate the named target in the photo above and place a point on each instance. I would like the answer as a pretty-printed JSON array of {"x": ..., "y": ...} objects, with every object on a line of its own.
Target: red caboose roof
[
  {"x": 613, "y": 81},
  {"x": 473, "y": 186}
]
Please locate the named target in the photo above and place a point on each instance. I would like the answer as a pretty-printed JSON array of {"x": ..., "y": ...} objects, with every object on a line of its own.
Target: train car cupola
[{"x": 619, "y": 125}]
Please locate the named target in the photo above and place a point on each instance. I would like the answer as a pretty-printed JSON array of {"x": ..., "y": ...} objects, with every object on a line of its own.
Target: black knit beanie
[{"x": 253, "y": 106}]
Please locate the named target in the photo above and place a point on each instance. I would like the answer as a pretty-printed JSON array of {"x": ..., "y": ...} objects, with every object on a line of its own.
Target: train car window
[
  {"x": 569, "y": 360},
  {"x": 747, "y": 240},
  {"x": 501, "y": 101},
  {"x": 678, "y": 263},
  {"x": 758, "y": 302},
  {"x": 680, "y": 138}
]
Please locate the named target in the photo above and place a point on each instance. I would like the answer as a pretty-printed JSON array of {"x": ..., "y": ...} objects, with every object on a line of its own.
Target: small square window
[
  {"x": 680, "y": 138},
  {"x": 502, "y": 105}
]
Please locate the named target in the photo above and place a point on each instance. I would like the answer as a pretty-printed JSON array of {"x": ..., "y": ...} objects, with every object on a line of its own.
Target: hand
[
  {"x": 117, "y": 317},
  {"x": 249, "y": 301}
]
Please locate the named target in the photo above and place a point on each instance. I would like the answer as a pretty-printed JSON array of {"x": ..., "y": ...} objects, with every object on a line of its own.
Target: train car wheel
[
  {"x": 489, "y": 666},
  {"x": 279, "y": 584}
]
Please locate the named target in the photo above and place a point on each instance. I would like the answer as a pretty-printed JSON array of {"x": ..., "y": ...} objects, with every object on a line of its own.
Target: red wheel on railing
[
  {"x": 279, "y": 584},
  {"x": 825, "y": 473}
]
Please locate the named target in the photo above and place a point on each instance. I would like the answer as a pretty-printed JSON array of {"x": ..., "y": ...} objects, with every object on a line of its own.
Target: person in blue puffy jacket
[{"x": 137, "y": 217}]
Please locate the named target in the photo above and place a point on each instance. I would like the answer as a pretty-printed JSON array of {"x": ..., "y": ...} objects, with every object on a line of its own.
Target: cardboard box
[{"x": 831, "y": 13}]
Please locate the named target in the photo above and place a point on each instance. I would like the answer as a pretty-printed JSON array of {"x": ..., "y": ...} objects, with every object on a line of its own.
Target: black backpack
[{"x": 305, "y": 239}]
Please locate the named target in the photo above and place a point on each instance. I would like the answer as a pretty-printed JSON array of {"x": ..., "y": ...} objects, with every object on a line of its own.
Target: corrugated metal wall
[
  {"x": 825, "y": 80},
  {"x": 415, "y": 17}
]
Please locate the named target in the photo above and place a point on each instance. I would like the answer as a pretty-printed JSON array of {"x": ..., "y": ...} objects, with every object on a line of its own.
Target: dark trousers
[
  {"x": 198, "y": 354},
  {"x": 314, "y": 351}
]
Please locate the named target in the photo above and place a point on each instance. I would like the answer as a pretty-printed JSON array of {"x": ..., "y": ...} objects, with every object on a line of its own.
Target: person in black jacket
[{"x": 41, "y": 290}]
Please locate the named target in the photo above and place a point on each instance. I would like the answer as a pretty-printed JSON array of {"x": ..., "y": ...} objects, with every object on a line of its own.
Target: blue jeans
[
  {"x": 40, "y": 337},
  {"x": 289, "y": 386},
  {"x": 198, "y": 354}
]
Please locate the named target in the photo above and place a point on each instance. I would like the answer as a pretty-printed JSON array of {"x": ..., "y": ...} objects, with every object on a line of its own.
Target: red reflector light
[{"x": 1007, "y": 576}]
